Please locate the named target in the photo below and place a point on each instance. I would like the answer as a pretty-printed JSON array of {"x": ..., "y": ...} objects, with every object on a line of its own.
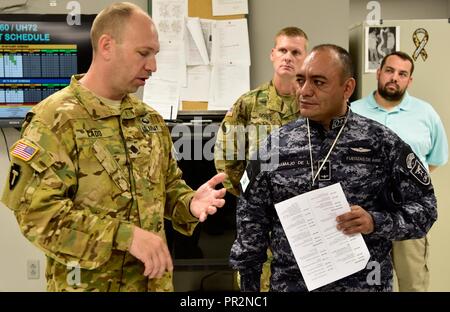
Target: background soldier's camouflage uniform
[
  {"x": 261, "y": 107},
  {"x": 365, "y": 159},
  {"x": 99, "y": 169}
]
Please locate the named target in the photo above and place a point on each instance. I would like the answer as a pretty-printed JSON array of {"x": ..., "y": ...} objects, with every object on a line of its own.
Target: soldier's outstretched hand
[{"x": 207, "y": 199}]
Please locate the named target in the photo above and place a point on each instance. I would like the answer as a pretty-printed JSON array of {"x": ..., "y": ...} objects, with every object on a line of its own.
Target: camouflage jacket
[
  {"x": 81, "y": 175},
  {"x": 377, "y": 171},
  {"x": 254, "y": 115}
]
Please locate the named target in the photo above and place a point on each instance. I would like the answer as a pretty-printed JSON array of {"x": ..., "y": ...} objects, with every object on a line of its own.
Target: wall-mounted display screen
[{"x": 38, "y": 55}]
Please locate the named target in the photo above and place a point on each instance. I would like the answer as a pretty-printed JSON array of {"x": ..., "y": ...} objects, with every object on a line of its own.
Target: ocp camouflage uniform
[
  {"x": 377, "y": 171},
  {"x": 97, "y": 171},
  {"x": 259, "y": 107}
]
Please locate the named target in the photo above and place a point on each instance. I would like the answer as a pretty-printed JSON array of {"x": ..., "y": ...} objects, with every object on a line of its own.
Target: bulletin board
[{"x": 201, "y": 9}]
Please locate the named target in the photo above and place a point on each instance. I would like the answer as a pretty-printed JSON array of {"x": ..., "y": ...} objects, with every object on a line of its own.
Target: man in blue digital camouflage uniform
[
  {"x": 388, "y": 188},
  {"x": 258, "y": 112}
]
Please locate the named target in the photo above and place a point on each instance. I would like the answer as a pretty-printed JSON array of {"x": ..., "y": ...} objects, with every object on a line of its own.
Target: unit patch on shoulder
[
  {"x": 24, "y": 150},
  {"x": 417, "y": 169},
  {"x": 14, "y": 176}
]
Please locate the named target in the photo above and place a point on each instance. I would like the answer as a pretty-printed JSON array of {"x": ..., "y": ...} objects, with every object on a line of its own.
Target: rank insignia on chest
[
  {"x": 325, "y": 172},
  {"x": 24, "y": 150}
]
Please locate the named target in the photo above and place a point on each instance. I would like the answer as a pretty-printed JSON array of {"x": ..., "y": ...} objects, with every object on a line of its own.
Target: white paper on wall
[{"x": 229, "y": 7}]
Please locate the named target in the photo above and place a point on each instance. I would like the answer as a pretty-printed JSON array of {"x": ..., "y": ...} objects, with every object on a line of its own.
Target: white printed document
[
  {"x": 198, "y": 80},
  {"x": 230, "y": 43},
  {"x": 196, "y": 45},
  {"x": 323, "y": 253},
  {"x": 229, "y": 7},
  {"x": 163, "y": 96},
  {"x": 168, "y": 16},
  {"x": 228, "y": 83},
  {"x": 171, "y": 64}
]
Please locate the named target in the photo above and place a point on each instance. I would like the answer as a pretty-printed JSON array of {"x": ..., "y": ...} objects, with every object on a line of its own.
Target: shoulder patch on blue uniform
[
  {"x": 412, "y": 163},
  {"x": 417, "y": 169}
]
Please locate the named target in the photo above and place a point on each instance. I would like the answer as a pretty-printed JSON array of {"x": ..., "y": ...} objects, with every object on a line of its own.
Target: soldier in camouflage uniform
[
  {"x": 389, "y": 190},
  {"x": 259, "y": 111},
  {"x": 270, "y": 105},
  {"x": 93, "y": 176}
]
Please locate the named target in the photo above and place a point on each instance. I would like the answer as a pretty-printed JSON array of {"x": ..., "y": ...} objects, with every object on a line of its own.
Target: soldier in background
[
  {"x": 259, "y": 111},
  {"x": 419, "y": 125},
  {"x": 390, "y": 193},
  {"x": 93, "y": 177}
]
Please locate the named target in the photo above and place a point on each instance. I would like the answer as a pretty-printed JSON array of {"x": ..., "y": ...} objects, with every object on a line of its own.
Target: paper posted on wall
[
  {"x": 163, "y": 96},
  {"x": 323, "y": 253},
  {"x": 168, "y": 16},
  {"x": 229, "y": 7}
]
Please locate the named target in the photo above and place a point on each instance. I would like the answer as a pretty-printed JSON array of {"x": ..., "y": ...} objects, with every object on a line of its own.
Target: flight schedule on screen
[
  {"x": 39, "y": 53},
  {"x": 31, "y": 72}
]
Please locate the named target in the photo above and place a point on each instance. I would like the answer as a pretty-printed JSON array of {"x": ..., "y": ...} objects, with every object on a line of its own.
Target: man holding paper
[
  {"x": 389, "y": 192},
  {"x": 258, "y": 112}
]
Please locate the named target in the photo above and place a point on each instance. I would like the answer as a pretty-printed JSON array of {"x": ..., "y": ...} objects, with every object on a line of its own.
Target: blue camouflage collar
[{"x": 335, "y": 123}]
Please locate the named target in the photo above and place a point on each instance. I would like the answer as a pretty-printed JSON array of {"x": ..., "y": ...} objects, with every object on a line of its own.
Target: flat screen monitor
[{"x": 38, "y": 55}]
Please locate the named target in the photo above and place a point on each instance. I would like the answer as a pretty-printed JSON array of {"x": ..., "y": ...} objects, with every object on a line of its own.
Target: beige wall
[
  {"x": 266, "y": 17},
  {"x": 401, "y": 9}
]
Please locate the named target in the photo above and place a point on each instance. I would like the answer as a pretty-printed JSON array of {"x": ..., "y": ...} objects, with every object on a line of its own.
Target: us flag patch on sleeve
[{"x": 24, "y": 150}]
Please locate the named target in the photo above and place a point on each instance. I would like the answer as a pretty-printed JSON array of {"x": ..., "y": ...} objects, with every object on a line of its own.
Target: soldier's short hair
[
  {"x": 404, "y": 56},
  {"x": 291, "y": 31},
  {"x": 112, "y": 21},
  {"x": 343, "y": 56}
]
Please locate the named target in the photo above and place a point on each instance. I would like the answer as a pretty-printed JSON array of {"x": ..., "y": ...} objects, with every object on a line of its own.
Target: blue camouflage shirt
[{"x": 377, "y": 171}]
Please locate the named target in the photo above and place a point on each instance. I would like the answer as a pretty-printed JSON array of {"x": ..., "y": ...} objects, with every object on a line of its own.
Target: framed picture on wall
[{"x": 380, "y": 41}]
